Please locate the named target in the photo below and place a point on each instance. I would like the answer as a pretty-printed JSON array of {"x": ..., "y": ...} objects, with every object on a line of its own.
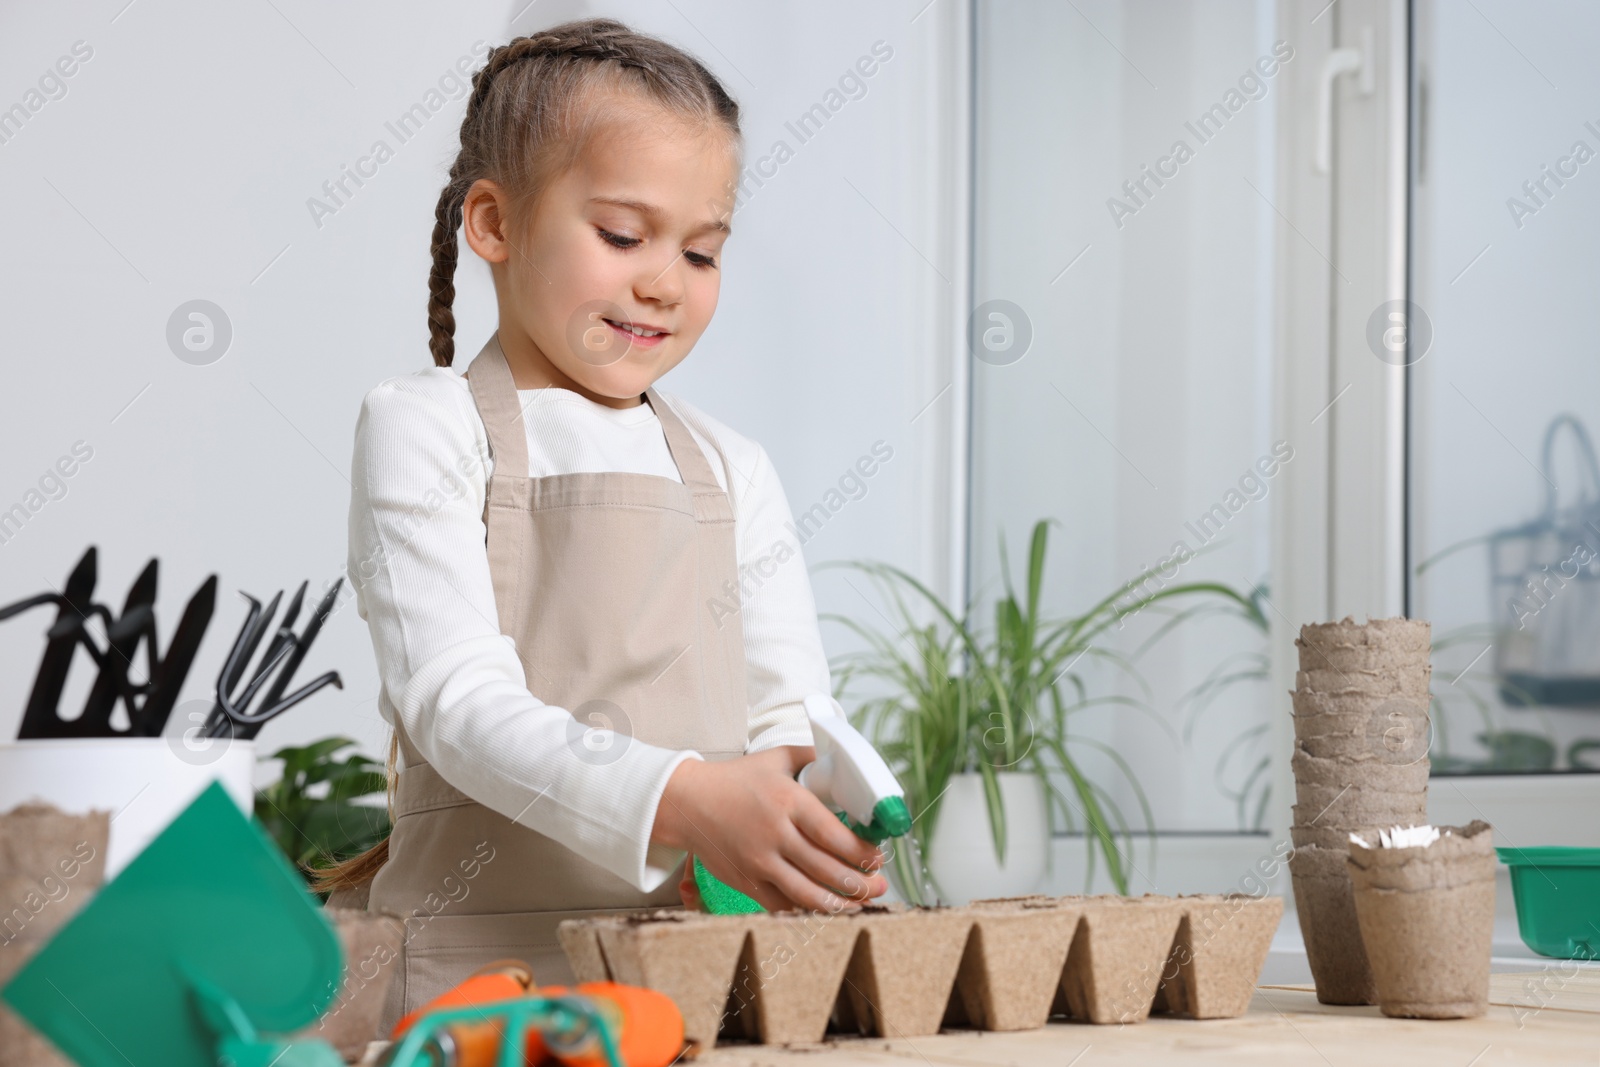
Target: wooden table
[
  {"x": 1549, "y": 1016},
  {"x": 1556, "y": 1020}
]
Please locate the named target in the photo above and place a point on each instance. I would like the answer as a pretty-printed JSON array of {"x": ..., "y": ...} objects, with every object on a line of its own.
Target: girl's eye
[
  {"x": 699, "y": 260},
  {"x": 613, "y": 239}
]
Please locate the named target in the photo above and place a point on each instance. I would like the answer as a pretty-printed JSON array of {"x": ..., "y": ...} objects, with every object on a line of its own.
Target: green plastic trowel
[
  {"x": 207, "y": 940},
  {"x": 849, "y": 776}
]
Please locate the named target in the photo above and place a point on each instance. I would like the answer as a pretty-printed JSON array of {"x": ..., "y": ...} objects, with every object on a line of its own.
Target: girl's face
[{"x": 630, "y": 236}]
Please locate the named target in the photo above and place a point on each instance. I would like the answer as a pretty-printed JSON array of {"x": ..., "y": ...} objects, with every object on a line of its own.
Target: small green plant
[
  {"x": 312, "y": 811},
  {"x": 960, "y": 700}
]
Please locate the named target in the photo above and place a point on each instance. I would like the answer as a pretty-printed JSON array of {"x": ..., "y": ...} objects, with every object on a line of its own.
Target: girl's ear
[{"x": 484, "y": 220}]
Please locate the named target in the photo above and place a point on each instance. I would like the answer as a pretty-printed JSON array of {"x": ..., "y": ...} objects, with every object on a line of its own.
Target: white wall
[{"x": 178, "y": 165}]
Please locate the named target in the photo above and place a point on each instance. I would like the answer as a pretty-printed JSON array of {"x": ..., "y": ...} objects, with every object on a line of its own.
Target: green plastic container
[{"x": 1557, "y": 891}]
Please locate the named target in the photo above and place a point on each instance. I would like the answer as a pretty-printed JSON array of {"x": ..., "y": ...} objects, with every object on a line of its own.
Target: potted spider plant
[{"x": 975, "y": 723}]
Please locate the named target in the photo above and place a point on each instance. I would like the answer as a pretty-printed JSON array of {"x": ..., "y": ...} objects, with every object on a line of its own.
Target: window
[
  {"x": 1372, "y": 255},
  {"x": 1125, "y": 199},
  {"x": 1504, "y": 502}
]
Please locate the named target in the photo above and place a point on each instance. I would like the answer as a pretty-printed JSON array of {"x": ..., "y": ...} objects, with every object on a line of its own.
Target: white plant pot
[
  {"x": 144, "y": 782},
  {"x": 961, "y": 854}
]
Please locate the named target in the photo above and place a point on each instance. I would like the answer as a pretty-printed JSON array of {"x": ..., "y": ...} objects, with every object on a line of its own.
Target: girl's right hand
[{"x": 763, "y": 833}]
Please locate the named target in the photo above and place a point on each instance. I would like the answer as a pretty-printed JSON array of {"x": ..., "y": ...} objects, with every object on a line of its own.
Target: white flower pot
[
  {"x": 961, "y": 852},
  {"x": 144, "y": 782}
]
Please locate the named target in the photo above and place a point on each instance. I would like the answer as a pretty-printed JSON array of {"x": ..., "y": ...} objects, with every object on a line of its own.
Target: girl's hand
[
  {"x": 763, "y": 833},
  {"x": 688, "y": 888}
]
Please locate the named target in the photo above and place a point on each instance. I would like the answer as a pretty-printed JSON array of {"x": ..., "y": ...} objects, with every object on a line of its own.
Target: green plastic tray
[{"x": 1557, "y": 892}]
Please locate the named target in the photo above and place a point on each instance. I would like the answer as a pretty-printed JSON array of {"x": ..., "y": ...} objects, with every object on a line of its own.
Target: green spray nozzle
[{"x": 890, "y": 818}]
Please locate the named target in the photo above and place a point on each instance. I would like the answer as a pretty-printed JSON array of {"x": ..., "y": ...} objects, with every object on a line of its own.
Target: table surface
[{"x": 1551, "y": 1015}]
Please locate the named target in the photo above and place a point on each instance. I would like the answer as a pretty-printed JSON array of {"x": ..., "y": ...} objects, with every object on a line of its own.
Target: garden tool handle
[
  {"x": 646, "y": 1026},
  {"x": 460, "y": 1045},
  {"x": 501, "y": 980}
]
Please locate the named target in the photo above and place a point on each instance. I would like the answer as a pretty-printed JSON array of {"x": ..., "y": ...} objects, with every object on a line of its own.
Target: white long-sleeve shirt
[{"x": 421, "y": 577}]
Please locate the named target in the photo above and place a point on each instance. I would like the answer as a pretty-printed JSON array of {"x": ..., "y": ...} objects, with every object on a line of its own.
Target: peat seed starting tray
[{"x": 895, "y": 971}]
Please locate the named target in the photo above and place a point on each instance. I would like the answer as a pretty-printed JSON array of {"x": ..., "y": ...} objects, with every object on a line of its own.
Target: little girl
[{"x": 544, "y": 547}]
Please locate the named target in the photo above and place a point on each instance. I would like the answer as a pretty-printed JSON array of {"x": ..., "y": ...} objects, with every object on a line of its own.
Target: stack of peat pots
[{"x": 1360, "y": 763}]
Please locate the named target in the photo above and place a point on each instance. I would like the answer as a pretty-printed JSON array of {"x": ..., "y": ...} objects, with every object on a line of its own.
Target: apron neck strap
[
  {"x": 686, "y": 453},
  {"x": 495, "y": 393}
]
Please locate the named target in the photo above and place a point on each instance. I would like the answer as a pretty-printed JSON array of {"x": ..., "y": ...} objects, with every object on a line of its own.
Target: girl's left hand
[{"x": 688, "y": 888}]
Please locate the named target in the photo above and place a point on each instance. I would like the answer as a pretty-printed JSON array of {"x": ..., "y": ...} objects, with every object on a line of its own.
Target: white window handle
[{"x": 1340, "y": 61}]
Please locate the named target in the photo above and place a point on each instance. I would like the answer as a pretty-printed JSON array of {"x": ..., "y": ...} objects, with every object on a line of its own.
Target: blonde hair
[{"x": 534, "y": 106}]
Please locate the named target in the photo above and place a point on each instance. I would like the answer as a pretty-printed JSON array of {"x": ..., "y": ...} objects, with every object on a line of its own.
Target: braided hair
[{"x": 532, "y": 109}]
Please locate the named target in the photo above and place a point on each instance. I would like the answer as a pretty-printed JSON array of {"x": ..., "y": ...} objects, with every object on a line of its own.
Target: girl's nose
[{"x": 664, "y": 283}]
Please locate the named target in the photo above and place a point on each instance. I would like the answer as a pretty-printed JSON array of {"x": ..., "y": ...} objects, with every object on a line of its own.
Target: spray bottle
[{"x": 851, "y": 778}]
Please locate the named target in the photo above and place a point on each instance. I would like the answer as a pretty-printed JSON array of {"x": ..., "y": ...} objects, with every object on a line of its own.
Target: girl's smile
[{"x": 638, "y": 334}]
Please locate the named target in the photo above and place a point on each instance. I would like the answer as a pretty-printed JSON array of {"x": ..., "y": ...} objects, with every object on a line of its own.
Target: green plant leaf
[{"x": 310, "y": 812}]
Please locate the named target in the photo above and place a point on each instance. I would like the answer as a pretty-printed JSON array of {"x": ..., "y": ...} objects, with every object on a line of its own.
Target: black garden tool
[
  {"x": 122, "y": 643},
  {"x": 42, "y": 717},
  {"x": 148, "y": 703},
  {"x": 230, "y": 716},
  {"x": 167, "y": 678}
]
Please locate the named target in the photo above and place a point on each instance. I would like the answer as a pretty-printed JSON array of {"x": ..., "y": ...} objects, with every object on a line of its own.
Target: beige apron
[{"x": 603, "y": 581}]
